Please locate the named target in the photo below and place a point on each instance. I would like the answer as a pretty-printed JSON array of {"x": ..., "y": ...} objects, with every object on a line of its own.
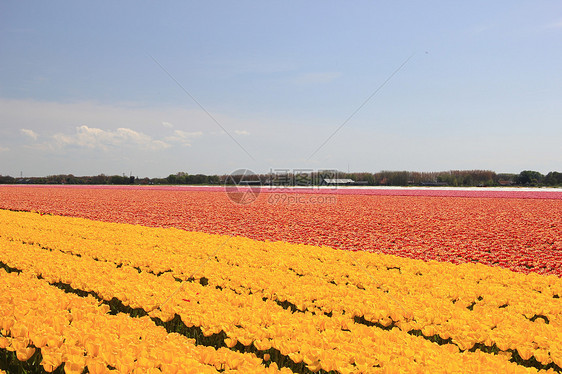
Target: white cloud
[
  {"x": 185, "y": 134},
  {"x": 32, "y": 134},
  {"x": 115, "y": 139},
  {"x": 167, "y": 124},
  {"x": 183, "y": 137},
  {"x": 241, "y": 132},
  {"x": 92, "y": 138}
]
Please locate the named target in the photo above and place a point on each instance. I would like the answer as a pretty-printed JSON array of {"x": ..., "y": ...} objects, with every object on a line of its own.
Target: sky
[{"x": 154, "y": 88}]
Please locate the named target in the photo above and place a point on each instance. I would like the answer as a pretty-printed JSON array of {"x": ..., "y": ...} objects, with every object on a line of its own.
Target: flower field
[
  {"x": 521, "y": 234},
  {"x": 172, "y": 281}
]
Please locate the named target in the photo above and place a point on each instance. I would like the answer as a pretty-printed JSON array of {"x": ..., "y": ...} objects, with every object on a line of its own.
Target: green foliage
[
  {"x": 529, "y": 177},
  {"x": 553, "y": 178},
  {"x": 184, "y": 178},
  {"x": 454, "y": 178},
  {"x": 5, "y": 179}
]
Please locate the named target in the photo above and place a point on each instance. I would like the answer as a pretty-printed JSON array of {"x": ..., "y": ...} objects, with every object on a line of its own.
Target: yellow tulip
[
  {"x": 262, "y": 345},
  {"x": 39, "y": 341},
  {"x": 296, "y": 357},
  {"x": 4, "y": 342},
  {"x": 314, "y": 366},
  {"x": 51, "y": 360},
  {"x": 170, "y": 368},
  {"x": 25, "y": 353},
  {"x": 525, "y": 352},
  {"x": 7, "y": 323},
  {"x": 542, "y": 356},
  {"x": 230, "y": 343},
  {"x": 96, "y": 366}
]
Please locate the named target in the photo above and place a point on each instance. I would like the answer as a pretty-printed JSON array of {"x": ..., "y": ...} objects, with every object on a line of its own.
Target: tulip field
[{"x": 180, "y": 280}]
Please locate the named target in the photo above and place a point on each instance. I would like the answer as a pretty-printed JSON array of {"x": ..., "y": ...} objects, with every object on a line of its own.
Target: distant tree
[
  {"x": 505, "y": 178},
  {"x": 172, "y": 179},
  {"x": 369, "y": 178},
  {"x": 553, "y": 178},
  {"x": 70, "y": 179},
  {"x": 529, "y": 177},
  {"x": 449, "y": 178},
  {"x": 391, "y": 178},
  {"x": 399, "y": 178},
  {"x": 364, "y": 178},
  {"x": 467, "y": 180},
  {"x": 198, "y": 179},
  {"x": 118, "y": 179},
  {"x": 214, "y": 179},
  {"x": 6, "y": 179},
  {"x": 99, "y": 179}
]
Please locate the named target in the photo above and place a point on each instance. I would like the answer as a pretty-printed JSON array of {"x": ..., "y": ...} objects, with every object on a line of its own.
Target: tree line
[{"x": 456, "y": 178}]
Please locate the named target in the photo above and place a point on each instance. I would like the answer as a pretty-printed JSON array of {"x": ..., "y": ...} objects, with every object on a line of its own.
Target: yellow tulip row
[
  {"x": 412, "y": 295},
  {"x": 80, "y": 333},
  {"x": 320, "y": 341},
  {"x": 180, "y": 252}
]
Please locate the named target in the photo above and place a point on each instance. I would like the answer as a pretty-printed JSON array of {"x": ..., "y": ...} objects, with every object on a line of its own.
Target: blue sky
[{"x": 81, "y": 92}]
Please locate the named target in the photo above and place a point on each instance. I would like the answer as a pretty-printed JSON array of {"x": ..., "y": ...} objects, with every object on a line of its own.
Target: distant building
[{"x": 337, "y": 182}]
